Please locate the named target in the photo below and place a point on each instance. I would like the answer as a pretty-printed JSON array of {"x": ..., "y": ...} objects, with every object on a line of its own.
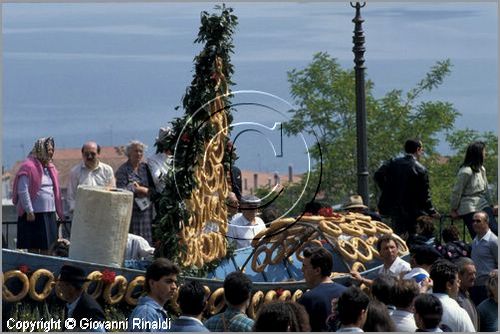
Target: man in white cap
[
  {"x": 160, "y": 163},
  {"x": 244, "y": 227}
]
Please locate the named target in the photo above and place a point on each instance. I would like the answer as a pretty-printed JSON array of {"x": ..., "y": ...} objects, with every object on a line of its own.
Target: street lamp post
[{"x": 359, "y": 51}]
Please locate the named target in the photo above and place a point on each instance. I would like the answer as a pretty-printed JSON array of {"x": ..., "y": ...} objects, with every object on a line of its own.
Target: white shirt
[
  {"x": 404, "y": 321},
  {"x": 397, "y": 267},
  {"x": 138, "y": 248},
  {"x": 454, "y": 316},
  {"x": 101, "y": 176},
  {"x": 241, "y": 232}
]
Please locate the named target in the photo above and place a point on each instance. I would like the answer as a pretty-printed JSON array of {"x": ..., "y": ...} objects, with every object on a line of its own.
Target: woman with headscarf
[
  {"x": 134, "y": 175},
  {"x": 38, "y": 198},
  {"x": 470, "y": 193}
]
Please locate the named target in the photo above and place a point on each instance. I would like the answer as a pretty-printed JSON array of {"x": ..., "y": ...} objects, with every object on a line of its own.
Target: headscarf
[{"x": 40, "y": 149}]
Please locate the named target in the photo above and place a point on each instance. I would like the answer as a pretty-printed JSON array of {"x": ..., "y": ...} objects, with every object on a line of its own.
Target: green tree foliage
[
  {"x": 192, "y": 130},
  {"x": 324, "y": 95}
]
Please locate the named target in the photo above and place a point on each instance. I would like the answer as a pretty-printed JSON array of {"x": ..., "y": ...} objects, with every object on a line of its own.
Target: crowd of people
[
  {"x": 428, "y": 294},
  {"x": 448, "y": 287}
]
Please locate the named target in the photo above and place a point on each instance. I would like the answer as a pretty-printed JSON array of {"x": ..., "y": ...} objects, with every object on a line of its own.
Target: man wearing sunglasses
[{"x": 90, "y": 172}]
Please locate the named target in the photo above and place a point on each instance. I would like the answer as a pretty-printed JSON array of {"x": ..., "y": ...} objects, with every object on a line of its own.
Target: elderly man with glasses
[{"x": 90, "y": 172}]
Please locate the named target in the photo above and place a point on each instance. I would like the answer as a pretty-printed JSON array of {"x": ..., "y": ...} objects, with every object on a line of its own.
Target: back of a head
[
  {"x": 378, "y": 318},
  {"x": 237, "y": 288},
  {"x": 159, "y": 268},
  {"x": 442, "y": 272},
  {"x": 474, "y": 156},
  {"x": 383, "y": 289},
  {"x": 450, "y": 233},
  {"x": 426, "y": 225},
  {"x": 412, "y": 145},
  {"x": 405, "y": 292},
  {"x": 430, "y": 310},
  {"x": 425, "y": 255},
  {"x": 192, "y": 298},
  {"x": 320, "y": 258},
  {"x": 350, "y": 304},
  {"x": 282, "y": 316}
]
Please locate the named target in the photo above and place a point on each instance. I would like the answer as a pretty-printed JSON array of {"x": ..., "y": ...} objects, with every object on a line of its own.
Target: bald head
[{"x": 90, "y": 154}]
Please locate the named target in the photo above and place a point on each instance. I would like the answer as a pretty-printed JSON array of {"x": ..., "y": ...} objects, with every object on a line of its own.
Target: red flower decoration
[
  {"x": 24, "y": 268},
  {"x": 108, "y": 276},
  {"x": 185, "y": 138},
  {"x": 326, "y": 212},
  {"x": 279, "y": 291}
]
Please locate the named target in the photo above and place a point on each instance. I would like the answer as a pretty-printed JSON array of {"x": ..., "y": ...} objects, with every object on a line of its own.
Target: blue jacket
[{"x": 187, "y": 324}]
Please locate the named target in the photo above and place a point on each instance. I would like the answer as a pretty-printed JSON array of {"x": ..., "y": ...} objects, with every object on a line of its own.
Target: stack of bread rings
[
  {"x": 207, "y": 204},
  {"x": 216, "y": 303},
  {"x": 353, "y": 236},
  {"x": 112, "y": 293}
]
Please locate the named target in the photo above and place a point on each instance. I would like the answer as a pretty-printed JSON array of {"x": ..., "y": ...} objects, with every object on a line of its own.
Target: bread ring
[
  {"x": 257, "y": 300},
  {"x": 137, "y": 281},
  {"x": 296, "y": 295},
  {"x": 381, "y": 227},
  {"x": 207, "y": 291},
  {"x": 364, "y": 251},
  {"x": 94, "y": 276},
  {"x": 258, "y": 268},
  {"x": 347, "y": 250},
  {"x": 271, "y": 295},
  {"x": 358, "y": 267},
  {"x": 47, "y": 288},
  {"x": 285, "y": 295},
  {"x": 351, "y": 229},
  {"x": 291, "y": 246},
  {"x": 298, "y": 252},
  {"x": 258, "y": 236},
  {"x": 121, "y": 283},
  {"x": 7, "y": 295},
  {"x": 312, "y": 219},
  {"x": 281, "y": 244},
  {"x": 368, "y": 228},
  {"x": 216, "y": 301},
  {"x": 361, "y": 216},
  {"x": 402, "y": 247},
  {"x": 336, "y": 218},
  {"x": 371, "y": 240},
  {"x": 330, "y": 228}
]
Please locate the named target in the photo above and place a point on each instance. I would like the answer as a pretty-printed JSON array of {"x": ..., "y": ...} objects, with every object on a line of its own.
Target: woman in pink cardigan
[{"x": 37, "y": 197}]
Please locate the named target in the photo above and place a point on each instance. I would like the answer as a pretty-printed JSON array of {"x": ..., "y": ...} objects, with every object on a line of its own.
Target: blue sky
[{"x": 114, "y": 72}]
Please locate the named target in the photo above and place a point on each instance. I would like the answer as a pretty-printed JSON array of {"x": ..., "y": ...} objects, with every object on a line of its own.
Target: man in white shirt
[
  {"x": 392, "y": 264},
  {"x": 243, "y": 228},
  {"x": 444, "y": 275},
  {"x": 405, "y": 291},
  {"x": 484, "y": 254},
  {"x": 90, "y": 172}
]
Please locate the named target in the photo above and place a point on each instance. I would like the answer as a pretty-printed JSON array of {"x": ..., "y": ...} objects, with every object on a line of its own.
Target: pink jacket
[{"x": 33, "y": 169}]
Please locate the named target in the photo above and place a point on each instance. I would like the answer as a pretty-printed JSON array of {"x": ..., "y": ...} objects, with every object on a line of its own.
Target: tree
[{"x": 324, "y": 94}]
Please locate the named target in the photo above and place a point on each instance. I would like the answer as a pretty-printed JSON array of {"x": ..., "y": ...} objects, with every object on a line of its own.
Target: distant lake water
[
  {"x": 115, "y": 72},
  {"x": 136, "y": 109}
]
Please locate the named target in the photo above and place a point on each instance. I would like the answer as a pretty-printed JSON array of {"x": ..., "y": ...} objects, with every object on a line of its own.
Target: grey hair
[
  {"x": 462, "y": 262},
  {"x": 134, "y": 143}
]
